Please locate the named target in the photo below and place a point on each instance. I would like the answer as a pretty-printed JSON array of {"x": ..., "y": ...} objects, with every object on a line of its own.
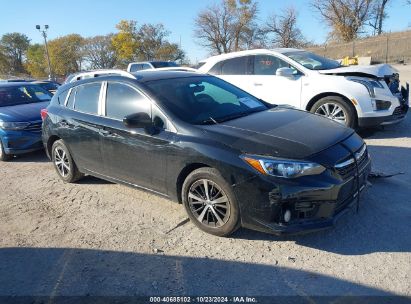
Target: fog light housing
[
  {"x": 382, "y": 105},
  {"x": 287, "y": 216}
]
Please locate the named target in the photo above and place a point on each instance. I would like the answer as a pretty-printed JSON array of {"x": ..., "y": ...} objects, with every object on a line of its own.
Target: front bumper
[
  {"x": 398, "y": 115},
  {"x": 19, "y": 142},
  {"x": 315, "y": 202}
]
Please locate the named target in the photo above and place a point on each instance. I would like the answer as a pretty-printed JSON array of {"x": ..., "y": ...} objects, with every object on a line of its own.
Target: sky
[{"x": 99, "y": 17}]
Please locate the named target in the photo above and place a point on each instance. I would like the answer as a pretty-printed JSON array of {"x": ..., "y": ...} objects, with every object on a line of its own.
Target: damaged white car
[{"x": 357, "y": 96}]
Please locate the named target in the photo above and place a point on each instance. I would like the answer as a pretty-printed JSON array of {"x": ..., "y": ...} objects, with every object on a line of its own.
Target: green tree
[
  {"x": 36, "y": 62},
  {"x": 66, "y": 54},
  {"x": 13, "y": 46},
  {"x": 125, "y": 42},
  {"x": 145, "y": 42},
  {"x": 99, "y": 52}
]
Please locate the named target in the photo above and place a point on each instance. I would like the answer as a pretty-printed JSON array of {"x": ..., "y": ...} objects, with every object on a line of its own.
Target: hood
[
  {"x": 379, "y": 70},
  {"x": 23, "y": 113},
  {"x": 280, "y": 132}
]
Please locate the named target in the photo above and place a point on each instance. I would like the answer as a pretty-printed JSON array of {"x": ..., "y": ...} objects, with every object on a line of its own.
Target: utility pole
[{"x": 44, "y": 34}]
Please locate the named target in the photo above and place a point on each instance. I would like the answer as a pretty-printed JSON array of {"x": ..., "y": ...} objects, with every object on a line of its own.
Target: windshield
[
  {"x": 23, "y": 94},
  {"x": 204, "y": 99},
  {"x": 312, "y": 61},
  {"x": 164, "y": 64}
]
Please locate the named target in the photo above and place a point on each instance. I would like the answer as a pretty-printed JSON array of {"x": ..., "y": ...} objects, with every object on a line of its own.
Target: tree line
[
  {"x": 226, "y": 26},
  {"x": 234, "y": 25},
  {"x": 72, "y": 53}
]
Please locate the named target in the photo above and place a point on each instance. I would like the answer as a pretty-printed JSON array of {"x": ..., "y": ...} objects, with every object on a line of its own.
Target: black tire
[
  {"x": 3, "y": 155},
  {"x": 221, "y": 193},
  {"x": 68, "y": 171},
  {"x": 348, "y": 109}
]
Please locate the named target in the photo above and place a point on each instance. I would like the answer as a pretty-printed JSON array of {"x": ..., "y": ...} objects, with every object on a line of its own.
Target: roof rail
[{"x": 97, "y": 73}]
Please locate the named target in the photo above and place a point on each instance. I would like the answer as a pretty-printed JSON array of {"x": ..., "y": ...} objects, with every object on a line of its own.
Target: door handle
[{"x": 258, "y": 84}]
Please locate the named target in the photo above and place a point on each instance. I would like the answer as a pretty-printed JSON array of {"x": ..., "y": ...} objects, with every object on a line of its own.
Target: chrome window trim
[{"x": 68, "y": 96}]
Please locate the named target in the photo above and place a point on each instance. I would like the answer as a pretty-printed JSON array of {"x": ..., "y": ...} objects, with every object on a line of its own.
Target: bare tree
[
  {"x": 378, "y": 15},
  {"x": 346, "y": 17},
  {"x": 227, "y": 27},
  {"x": 99, "y": 52},
  {"x": 283, "y": 30}
]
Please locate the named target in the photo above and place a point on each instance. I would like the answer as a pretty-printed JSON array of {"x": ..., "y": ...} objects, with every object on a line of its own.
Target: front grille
[
  {"x": 34, "y": 126},
  {"x": 347, "y": 168}
]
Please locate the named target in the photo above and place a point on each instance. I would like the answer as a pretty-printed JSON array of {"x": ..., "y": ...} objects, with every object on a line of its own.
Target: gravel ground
[{"x": 99, "y": 238}]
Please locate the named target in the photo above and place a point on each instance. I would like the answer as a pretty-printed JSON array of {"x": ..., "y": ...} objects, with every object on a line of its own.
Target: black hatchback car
[{"x": 231, "y": 159}]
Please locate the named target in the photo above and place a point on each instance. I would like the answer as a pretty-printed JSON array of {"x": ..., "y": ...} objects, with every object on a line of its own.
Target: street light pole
[{"x": 44, "y": 34}]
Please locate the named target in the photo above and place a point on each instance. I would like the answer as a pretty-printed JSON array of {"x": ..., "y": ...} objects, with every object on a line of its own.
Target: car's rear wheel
[
  {"x": 3, "y": 155},
  {"x": 64, "y": 163},
  {"x": 210, "y": 202},
  {"x": 337, "y": 109}
]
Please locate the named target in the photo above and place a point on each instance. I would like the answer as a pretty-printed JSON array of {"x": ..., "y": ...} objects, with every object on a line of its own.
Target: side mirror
[
  {"x": 285, "y": 72},
  {"x": 138, "y": 120}
]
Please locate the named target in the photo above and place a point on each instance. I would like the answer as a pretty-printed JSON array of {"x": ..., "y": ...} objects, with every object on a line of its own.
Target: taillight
[{"x": 43, "y": 114}]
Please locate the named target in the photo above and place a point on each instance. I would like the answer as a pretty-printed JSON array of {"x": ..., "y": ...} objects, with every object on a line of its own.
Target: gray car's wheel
[
  {"x": 3, "y": 155},
  {"x": 210, "y": 202},
  {"x": 64, "y": 163},
  {"x": 337, "y": 109}
]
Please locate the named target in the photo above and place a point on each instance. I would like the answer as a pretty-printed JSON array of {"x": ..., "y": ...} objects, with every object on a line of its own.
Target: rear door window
[
  {"x": 87, "y": 98},
  {"x": 235, "y": 66},
  {"x": 123, "y": 100}
]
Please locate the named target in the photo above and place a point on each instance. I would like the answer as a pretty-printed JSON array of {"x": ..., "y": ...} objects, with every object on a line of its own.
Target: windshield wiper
[
  {"x": 209, "y": 121},
  {"x": 237, "y": 115}
]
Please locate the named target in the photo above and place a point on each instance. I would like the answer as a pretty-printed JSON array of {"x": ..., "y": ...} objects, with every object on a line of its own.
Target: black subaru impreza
[{"x": 231, "y": 159}]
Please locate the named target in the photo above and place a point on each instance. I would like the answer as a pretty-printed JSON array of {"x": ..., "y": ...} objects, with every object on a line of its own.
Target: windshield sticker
[{"x": 251, "y": 103}]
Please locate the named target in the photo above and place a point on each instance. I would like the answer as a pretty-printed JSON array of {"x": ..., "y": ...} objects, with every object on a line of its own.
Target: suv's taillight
[{"x": 43, "y": 114}]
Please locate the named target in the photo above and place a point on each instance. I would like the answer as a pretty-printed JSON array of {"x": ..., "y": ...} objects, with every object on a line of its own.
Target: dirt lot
[{"x": 98, "y": 238}]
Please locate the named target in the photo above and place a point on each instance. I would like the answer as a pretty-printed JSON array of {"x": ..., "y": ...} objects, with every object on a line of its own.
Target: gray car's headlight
[
  {"x": 368, "y": 83},
  {"x": 7, "y": 125},
  {"x": 282, "y": 167}
]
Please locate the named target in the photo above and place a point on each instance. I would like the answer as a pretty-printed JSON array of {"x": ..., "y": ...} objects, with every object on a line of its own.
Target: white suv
[
  {"x": 357, "y": 96},
  {"x": 150, "y": 65}
]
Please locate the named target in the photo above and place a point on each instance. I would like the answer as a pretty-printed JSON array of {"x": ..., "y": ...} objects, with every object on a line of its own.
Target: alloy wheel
[
  {"x": 208, "y": 203},
  {"x": 61, "y": 161},
  {"x": 333, "y": 111}
]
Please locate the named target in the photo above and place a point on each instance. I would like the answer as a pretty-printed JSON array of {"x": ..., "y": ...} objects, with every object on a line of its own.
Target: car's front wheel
[
  {"x": 210, "y": 202},
  {"x": 64, "y": 163},
  {"x": 337, "y": 109},
  {"x": 3, "y": 155}
]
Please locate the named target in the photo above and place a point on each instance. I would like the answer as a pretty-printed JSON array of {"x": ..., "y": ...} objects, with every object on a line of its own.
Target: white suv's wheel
[{"x": 337, "y": 109}]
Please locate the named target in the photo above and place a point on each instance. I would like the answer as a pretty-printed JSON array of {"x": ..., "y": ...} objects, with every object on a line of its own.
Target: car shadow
[
  {"x": 32, "y": 157},
  {"x": 55, "y": 272},
  {"x": 383, "y": 221},
  {"x": 91, "y": 180}
]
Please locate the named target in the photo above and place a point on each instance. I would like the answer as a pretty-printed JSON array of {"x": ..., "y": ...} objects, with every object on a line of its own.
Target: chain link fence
[{"x": 386, "y": 48}]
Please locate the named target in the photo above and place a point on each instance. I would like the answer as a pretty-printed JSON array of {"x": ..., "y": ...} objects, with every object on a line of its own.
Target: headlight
[
  {"x": 282, "y": 167},
  {"x": 6, "y": 125},
  {"x": 368, "y": 83}
]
